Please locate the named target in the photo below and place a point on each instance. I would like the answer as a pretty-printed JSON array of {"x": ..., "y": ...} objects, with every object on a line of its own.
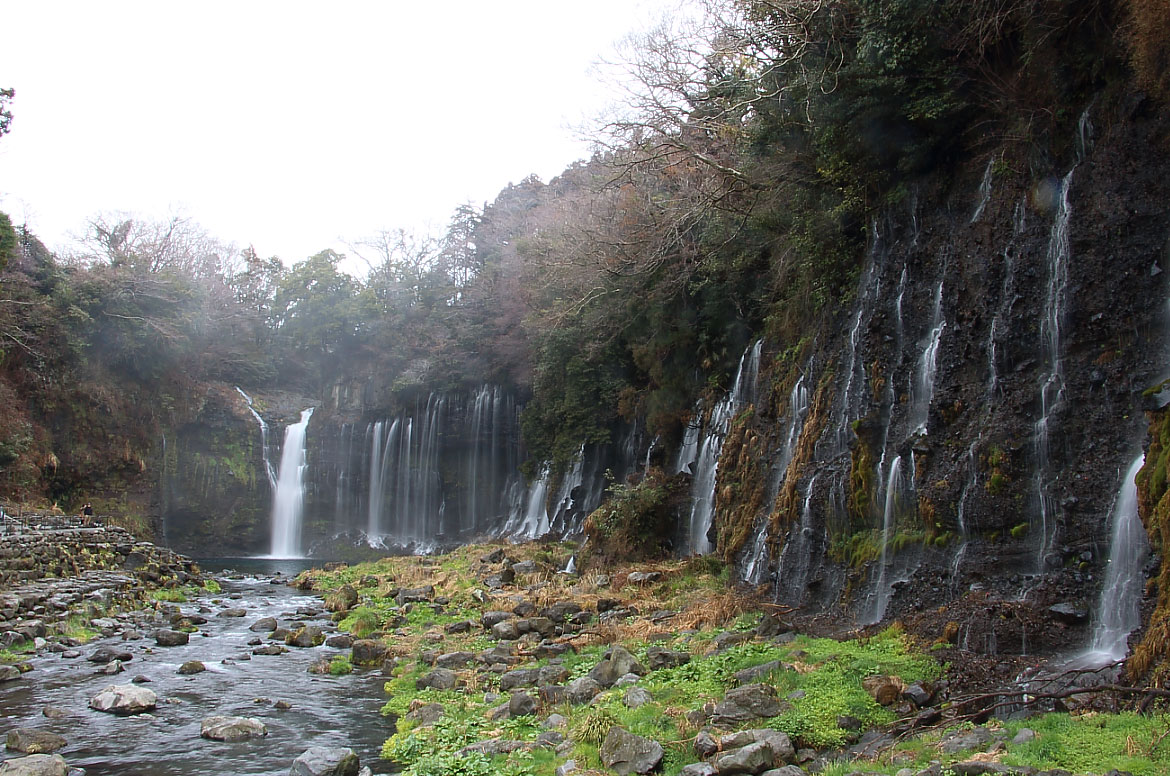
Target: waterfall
[
  {"x": 1118, "y": 612},
  {"x": 984, "y": 191},
  {"x": 796, "y": 557},
  {"x": 927, "y": 364},
  {"x": 269, "y": 471},
  {"x": 533, "y": 522},
  {"x": 706, "y": 464},
  {"x": 688, "y": 451},
  {"x": 1051, "y": 347},
  {"x": 883, "y": 588},
  {"x": 289, "y": 500},
  {"x": 798, "y": 404},
  {"x": 1052, "y": 344}
]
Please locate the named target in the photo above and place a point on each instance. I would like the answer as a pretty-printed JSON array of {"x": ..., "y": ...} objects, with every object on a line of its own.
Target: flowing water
[
  {"x": 325, "y": 710},
  {"x": 289, "y": 501}
]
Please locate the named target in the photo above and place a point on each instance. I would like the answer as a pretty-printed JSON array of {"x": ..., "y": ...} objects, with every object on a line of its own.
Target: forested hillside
[{"x": 896, "y": 266}]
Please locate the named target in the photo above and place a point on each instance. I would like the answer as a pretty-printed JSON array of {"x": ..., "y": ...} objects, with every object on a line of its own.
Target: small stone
[
  {"x": 627, "y": 753},
  {"x": 33, "y": 741},
  {"x": 521, "y": 704},
  {"x": 171, "y": 638},
  {"x": 1024, "y": 736},
  {"x": 124, "y": 699},
  {"x": 232, "y": 729},
  {"x": 635, "y": 697},
  {"x": 326, "y": 761},
  {"x": 192, "y": 667},
  {"x": 35, "y": 765}
]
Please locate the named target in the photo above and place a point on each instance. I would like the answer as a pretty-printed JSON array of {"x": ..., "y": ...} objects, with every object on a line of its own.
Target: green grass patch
[
  {"x": 171, "y": 595},
  {"x": 1094, "y": 743}
]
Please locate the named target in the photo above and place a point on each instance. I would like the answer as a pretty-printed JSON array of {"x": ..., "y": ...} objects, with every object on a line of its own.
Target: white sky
[{"x": 294, "y": 126}]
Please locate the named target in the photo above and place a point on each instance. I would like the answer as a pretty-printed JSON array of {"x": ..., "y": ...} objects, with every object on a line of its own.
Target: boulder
[
  {"x": 747, "y": 703},
  {"x": 339, "y": 641},
  {"x": 105, "y": 655},
  {"x": 660, "y": 657},
  {"x": 33, "y": 741},
  {"x": 643, "y": 577},
  {"x": 456, "y": 660},
  {"x": 342, "y": 599},
  {"x": 756, "y": 673},
  {"x": 232, "y": 729},
  {"x": 521, "y": 704},
  {"x": 617, "y": 664},
  {"x": 753, "y": 758},
  {"x": 9, "y": 673},
  {"x": 124, "y": 699},
  {"x": 166, "y": 637},
  {"x": 775, "y": 740},
  {"x": 192, "y": 667},
  {"x": 583, "y": 690},
  {"x": 627, "y": 753},
  {"x": 270, "y": 649},
  {"x": 306, "y": 636},
  {"x": 439, "y": 679},
  {"x": 886, "y": 690},
  {"x": 635, "y": 697},
  {"x": 368, "y": 652},
  {"x": 35, "y": 765},
  {"x": 326, "y": 761},
  {"x": 426, "y": 714},
  {"x": 264, "y": 625},
  {"x": 233, "y": 612}
]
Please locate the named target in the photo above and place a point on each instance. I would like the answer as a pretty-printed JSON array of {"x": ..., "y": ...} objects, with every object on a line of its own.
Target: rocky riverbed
[{"x": 186, "y": 687}]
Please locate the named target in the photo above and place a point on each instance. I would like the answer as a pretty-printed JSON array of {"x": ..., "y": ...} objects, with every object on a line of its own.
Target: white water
[
  {"x": 923, "y": 392},
  {"x": 706, "y": 463},
  {"x": 288, "y": 504},
  {"x": 984, "y": 191},
  {"x": 1051, "y": 349},
  {"x": 883, "y": 588},
  {"x": 269, "y": 471},
  {"x": 1118, "y": 612}
]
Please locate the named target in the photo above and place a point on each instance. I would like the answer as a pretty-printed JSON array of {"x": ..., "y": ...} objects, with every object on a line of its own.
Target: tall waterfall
[
  {"x": 268, "y": 470},
  {"x": 883, "y": 587},
  {"x": 705, "y": 465},
  {"x": 1118, "y": 612},
  {"x": 288, "y": 504}
]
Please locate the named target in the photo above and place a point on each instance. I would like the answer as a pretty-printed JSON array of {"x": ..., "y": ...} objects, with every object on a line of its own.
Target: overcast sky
[{"x": 294, "y": 126}]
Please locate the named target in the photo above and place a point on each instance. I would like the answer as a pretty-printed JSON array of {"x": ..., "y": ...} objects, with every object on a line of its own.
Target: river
[{"x": 324, "y": 710}]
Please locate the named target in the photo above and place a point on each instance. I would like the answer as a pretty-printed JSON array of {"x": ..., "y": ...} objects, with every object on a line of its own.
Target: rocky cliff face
[{"x": 961, "y": 430}]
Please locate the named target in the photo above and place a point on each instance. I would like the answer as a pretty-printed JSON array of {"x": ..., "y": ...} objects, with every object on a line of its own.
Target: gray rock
[
  {"x": 698, "y": 769},
  {"x": 643, "y": 577},
  {"x": 33, "y": 741},
  {"x": 583, "y": 690},
  {"x": 339, "y": 641},
  {"x": 617, "y": 664},
  {"x": 55, "y": 712},
  {"x": 730, "y": 639},
  {"x": 1068, "y": 613},
  {"x": 368, "y": 652},
  {"x": 124, "y": 699},
  {"x": 415, "y": 595},
  {"x": 326, "y": 761},
  {"x": 264, "y": 625},
  {"x": 964, "y": 740},
  {"x": 565, "y": 768},
  {"x": 1024, "y": 736},
  {"x": 192, "y": 667},
  {"x": 232, "y": 613},
  {"x": 705, "y": 744},
  {"x": 520, "y": 677},
  {"x": 106, "y": 655},
  {"x": 521, "y": 704},
  {"x": 456, "y": 660},
  {"x": 747, "y": 703},
  {"x": 426, "y": 714},
  {"x": 505, "y": 631},
  {"x": 756, "y": 673},
  {"x": 635, "y": 697},
  {"x": 170, "y": 638},
  {"x": 753, "y": 758},
  {"x": 35, "y": 765},
  {"x": 494, "y": 617},
  {"x": 111, "y": 668},
  {"x": 9, "y": 673},
  {"x": 439, "y": 679},
  {"x": 232, "y": 729},
  {"x": 627, "y": 753},
  {"x": 776, "y": 741},
  {"x": 787, "y": 770},
  {"x": 524, "y": 567},
  {"x": 660, "y": 657},
  {"x": 270, "y": 649},
  {"x": 306, "y": 636}
]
